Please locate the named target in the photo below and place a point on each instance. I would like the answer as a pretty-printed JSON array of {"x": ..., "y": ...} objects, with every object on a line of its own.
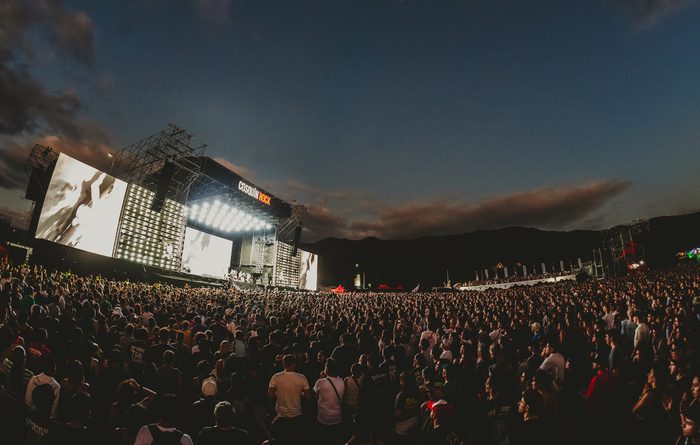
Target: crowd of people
[
  {"x": 515, "y": 278},
  {"x": 84, "y": 359}
]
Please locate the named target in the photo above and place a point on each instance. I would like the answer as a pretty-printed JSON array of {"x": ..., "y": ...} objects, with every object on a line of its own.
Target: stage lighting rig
[{"x": 225, "y": 218}]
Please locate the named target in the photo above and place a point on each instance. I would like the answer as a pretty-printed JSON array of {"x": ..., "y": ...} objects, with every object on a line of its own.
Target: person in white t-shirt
[
  {"x": 609, "y": 318},
  {"x": 641, "y": 333},
  {"x": 329, "y": 390},
  {"x": 288, "y": 387},
  {"x": 554, "y": 363}
]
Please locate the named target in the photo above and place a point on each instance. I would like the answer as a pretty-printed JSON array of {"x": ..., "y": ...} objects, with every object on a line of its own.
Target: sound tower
[
  {"x": 297, "y": 237},
  {"x": 166, "y": 174}
]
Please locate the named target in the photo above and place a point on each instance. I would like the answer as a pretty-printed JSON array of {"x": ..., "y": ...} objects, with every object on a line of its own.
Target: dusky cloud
[
  {"x": 31, "y": 113},
  {"x": 214, "y": 12},
  {"x": 70, "y": 32},
  {"x": 644, "y": 14},
  {"x": 241, "y": 170},
  {"x": 16, "y": 217},
  {"x": 14, "y": 154},
  {"x": 26, "y": 106},
  {"x": 552, "y": 207}
]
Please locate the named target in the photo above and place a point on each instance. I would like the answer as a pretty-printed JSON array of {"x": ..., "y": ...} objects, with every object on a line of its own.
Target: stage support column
[
  {"x": 274, "y": 260},
  {"x": 544, "y": 268}
]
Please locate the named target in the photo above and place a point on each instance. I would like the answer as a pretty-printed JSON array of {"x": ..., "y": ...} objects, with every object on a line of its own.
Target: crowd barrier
[{"x": 483, "y": 287}]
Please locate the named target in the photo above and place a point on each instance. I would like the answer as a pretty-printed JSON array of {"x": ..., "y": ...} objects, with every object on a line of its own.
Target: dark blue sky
[{"x": 455, "y": 115}]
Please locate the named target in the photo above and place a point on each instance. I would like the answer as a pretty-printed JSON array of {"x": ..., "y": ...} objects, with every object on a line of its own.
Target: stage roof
[{"x": 217, "y": 182}]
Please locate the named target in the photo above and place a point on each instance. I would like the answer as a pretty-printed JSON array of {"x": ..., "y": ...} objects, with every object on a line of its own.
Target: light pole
[{"x": 113, "y": 158}]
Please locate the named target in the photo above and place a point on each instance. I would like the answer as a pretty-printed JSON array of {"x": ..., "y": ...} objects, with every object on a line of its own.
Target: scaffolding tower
[
  {"x": 141, "y": 163},
  {"x": 285, "y": 232},
  {"x": 621, "y": 244},
  {"x": 38, "y": 167}
]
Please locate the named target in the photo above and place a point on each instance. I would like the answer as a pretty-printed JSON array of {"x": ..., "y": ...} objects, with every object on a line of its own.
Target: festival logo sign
[{"x": 254, "y": 193}]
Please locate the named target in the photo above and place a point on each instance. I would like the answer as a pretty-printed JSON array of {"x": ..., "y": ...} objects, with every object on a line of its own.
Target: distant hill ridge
[{"x": 424, "y": 260}]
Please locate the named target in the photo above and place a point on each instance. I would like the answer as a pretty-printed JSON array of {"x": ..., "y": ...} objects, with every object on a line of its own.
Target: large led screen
[
  {"x": 82, "y": 207},
  {"x": 206, "y": 255},
  {"x": 308, "y": 271}
]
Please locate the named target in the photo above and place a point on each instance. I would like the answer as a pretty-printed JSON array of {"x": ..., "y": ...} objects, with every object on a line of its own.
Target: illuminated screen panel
[
  {"x": 287, "y": 266},
  {"x": 308, "y": 270},
  {"x": 148, "y": 237},
  {"x": 82, "y": 207},
  {"x": 206, "y": 255}
]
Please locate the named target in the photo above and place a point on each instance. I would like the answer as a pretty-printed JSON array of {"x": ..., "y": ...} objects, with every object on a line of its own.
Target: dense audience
[
  {"x": 515, "y": 278},
  {"x": 87, "y": 360}
]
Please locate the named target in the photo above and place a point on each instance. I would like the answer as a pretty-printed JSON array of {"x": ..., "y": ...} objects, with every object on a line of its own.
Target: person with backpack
[{"x": 164, "y": 432}]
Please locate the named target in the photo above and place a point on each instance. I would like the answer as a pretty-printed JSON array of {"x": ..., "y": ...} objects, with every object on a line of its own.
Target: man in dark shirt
[
  {"x": 498, "y": 412},
  {"x": 616, "y": 356},
  {"x": 270, "y": 352},
  {"x": 224, "y": 433},
  {"x": 77, "y": 430},
  {"x": 533, "y": 429},
  {"x": 137, "y": 351},
  {"x": 155, "y": 353},
  {"x": 169, "y": 377},
  {"x": 38, "y": 423},
  {"x": 344, "y": 355}
]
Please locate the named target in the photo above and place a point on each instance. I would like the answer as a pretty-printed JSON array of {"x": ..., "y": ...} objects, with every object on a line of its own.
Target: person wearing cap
[
  {"x": 600, "y": 388},
  {"x": 442, "y": 414},
  {"x": 224, "y": 432}
]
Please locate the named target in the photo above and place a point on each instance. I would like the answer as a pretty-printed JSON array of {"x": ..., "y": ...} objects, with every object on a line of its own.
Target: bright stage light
[{"x": 224, "y": 217}]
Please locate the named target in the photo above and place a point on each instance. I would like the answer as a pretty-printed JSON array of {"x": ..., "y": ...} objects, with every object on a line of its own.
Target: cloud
[
  {"x": 553, "y": 207},
  {"x": 12, "y": 161},
  {"x": 239, "y": 169},
  {"x": 17, "y": 217},
  {"x": 645, "y": 14},
  {"x": 29, "y": 112},
  {"x": 214, "y": 12},
  {"x": 322, "y": 222},
  {"x": 25, "y": 105},
  {"x": 67, "y": 31},
  {"x": 14, "y": 154}
]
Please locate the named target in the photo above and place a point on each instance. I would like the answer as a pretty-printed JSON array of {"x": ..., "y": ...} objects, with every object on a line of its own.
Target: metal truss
[
  {"x": 285, "y": 232},
  {"x": 141, "y": 162},
  {"x": 41, "y": 158}
]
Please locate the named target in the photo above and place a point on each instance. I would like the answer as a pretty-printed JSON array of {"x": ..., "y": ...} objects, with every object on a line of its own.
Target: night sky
[{"x": 388, "y": 118}]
